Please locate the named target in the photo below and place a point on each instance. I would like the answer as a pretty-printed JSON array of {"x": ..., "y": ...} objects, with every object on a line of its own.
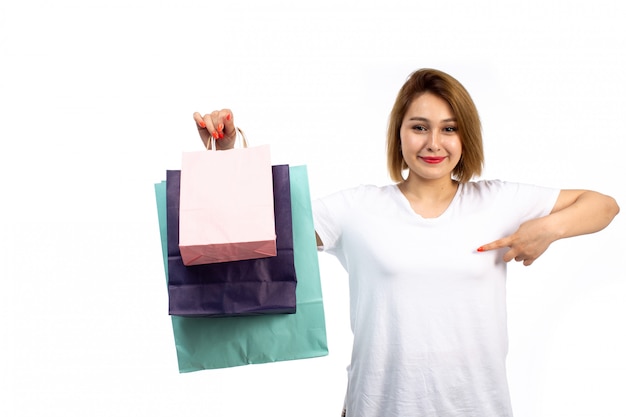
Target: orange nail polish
[
  {"x": 221, "y": 134},
  {"x": 228, "y": 116},
  {"x": 481, "y": 249},
  {"x": 215, "y": 135},
  {"x": 202, "y": 124}
]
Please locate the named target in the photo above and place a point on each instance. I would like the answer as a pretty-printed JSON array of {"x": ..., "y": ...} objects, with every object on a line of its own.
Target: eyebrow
[{"x": 423, "y": 119}]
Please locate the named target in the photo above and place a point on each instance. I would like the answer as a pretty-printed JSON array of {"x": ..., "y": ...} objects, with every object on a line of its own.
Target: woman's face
[{"x": 430, "y": 142}]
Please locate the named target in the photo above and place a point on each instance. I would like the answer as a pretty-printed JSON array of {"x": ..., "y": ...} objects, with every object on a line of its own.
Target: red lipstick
[{"x": 433, "y": 159}]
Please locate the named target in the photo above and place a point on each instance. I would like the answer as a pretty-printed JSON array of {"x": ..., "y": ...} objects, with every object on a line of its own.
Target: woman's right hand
[{"x": 220, "y": 125}]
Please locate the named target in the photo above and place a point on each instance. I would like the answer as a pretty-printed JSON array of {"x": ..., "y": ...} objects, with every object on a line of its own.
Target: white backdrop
[{"x": 96, "y": 99}]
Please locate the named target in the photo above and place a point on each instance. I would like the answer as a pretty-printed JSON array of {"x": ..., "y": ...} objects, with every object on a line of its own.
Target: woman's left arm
[{"x": 576, "y": 212}]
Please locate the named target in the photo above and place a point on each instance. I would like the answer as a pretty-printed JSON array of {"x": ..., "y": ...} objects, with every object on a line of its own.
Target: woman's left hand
[
  {"x": 576, "y": 212},
  {"x": 527, "y": 244}
]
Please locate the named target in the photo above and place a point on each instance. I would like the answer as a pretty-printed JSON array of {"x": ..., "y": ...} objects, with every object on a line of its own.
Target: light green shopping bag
[{"x": 210, "y": 343}]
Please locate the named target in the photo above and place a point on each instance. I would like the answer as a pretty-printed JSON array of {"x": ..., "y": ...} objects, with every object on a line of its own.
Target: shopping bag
[
  {"x": 252, "y": 286},
  {"x": 226, "y": 206},
  {"x": 209, "y": 343}
]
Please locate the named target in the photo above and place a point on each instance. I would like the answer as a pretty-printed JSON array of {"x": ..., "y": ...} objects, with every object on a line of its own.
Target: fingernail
[
  {"x": 228, "y": 116},
  {"x": 481, "y": 249},
  {"x": 215, "y": 135},
  {"x": 221, "y": 134},
  {"x": 202, "y": 124},
  {"x": 220, "y": 127}
]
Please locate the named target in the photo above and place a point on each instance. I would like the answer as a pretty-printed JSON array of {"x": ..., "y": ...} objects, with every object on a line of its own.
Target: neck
[
  {"x": 425, "y": 189},
  {"x": 429, "y": 198}
]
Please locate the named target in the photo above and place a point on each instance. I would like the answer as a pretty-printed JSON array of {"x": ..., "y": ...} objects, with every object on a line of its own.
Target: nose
[{"x": 433, "y": 144}]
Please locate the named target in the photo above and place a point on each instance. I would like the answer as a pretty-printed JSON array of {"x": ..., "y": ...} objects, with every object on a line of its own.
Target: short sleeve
[
  {"x": 329, "y": 216},
  {"x": 326, "y": 214},
  {"x": 530, "y": 201}
]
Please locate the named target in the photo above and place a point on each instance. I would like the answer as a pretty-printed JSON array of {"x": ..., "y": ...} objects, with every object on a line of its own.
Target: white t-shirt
[{"x": 428, "y": 311}]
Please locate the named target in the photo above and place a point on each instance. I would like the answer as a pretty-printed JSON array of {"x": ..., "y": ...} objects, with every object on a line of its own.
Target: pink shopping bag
[{"x": 226, "y": 206}]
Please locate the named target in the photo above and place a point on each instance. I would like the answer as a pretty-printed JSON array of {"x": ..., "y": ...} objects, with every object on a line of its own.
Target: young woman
[{"x": 427, "y": 301}]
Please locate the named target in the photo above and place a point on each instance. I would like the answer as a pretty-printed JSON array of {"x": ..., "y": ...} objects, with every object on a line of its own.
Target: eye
[
  {"x": 420, "y": 128},
  {"x": 450, "y": 129}
]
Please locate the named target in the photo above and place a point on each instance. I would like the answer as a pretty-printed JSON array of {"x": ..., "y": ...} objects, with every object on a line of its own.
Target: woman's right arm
[{"x": 319, "y": 240}]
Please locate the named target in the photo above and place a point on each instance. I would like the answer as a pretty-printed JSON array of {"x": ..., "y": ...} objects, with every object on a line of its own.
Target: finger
[
  {"x": 198, "y": 118},
  {"x": 528, "y": 262},
  {"x": 221, "y": 124},
  {"x": 212, "y": 121},
  {"x": 225, "y": 124},
  {"x": 201, "y": 125},
  {"x": 510, "y": 255},
  {"x": 214, "y": 124},
  {"x": 519, "y": 258},
  {"x": 496, "y": 244}
]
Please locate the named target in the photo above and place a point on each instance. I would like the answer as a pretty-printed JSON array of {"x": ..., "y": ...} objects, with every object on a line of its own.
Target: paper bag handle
[{"x": 210, "y": 144}]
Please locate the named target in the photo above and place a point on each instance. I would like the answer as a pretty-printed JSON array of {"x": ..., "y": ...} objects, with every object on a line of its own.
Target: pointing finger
[{"x": 496, "y": 244}]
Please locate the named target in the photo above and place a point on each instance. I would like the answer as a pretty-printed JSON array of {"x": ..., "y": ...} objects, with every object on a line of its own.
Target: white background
[{"x": 96, "y": 99}]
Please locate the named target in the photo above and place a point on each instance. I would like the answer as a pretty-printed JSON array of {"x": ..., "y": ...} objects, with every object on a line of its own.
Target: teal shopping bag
[{"x": 210, "y": 343}]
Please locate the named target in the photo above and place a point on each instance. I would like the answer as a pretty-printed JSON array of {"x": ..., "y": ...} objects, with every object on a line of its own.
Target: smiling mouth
[{"x": 432, "y": 159}]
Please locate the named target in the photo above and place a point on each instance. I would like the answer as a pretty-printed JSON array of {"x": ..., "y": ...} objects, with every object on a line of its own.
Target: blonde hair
[{"x": 464, "y": 109}]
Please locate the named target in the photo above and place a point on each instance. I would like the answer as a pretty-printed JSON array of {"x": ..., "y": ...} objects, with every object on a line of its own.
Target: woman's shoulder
[
  {"x": 485, "y": 185},
  {"x": 490, "y": 188}
]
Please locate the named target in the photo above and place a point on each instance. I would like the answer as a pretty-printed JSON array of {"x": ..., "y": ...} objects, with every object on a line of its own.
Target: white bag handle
[{"x": 210, "y": 144}]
